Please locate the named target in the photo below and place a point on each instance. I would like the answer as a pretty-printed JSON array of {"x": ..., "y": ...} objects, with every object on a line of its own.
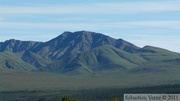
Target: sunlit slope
[
  {"x": 102, "y": 58},
  {"x": 12, "y": 61},
  {"x": 159, "y": 60}
]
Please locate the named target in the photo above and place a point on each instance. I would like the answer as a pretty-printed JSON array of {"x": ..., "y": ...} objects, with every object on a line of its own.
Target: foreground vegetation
[{"x": 103, "y": 94}]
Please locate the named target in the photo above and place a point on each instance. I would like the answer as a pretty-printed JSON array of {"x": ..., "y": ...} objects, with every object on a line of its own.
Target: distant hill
[
  {"x": 15, "y": 46},
  {"x": 158, "y": 59},
  {"x": 85, "y": 52}
]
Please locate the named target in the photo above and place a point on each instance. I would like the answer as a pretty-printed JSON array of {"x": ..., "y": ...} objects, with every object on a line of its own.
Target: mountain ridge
[
  {"x": 74, "y": 42},
  {"x": 15, "y": 46}
]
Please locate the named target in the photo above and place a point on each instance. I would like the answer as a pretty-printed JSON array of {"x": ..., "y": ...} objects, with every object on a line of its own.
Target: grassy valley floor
[{"x": 34, "y": 86}]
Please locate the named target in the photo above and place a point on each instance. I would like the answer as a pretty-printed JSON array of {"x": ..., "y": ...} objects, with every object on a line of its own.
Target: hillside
[
  {"x": 12, "y": 61},
  {"x": 159, "y": 60},
  {"x": 99, "y": 59},
  {"x": 108, "y": 58},
  {"x": 33, "y": 59}
]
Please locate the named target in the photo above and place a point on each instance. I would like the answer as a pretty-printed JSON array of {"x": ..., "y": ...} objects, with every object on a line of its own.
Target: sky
[{"x": 141, "y": 22}]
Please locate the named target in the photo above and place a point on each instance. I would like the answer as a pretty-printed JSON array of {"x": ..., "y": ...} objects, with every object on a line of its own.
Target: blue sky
[{"x": 142, "y": 22}]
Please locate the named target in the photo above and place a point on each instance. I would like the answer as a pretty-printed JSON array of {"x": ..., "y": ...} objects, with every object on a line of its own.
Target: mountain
[
  {"x": 102, "y": 58},
  {"x": 85, "y": 52},
  {"x": 70, "y": 43},
  {"x": 39, "y": 54},
  {"x": 66, "y": 44}
]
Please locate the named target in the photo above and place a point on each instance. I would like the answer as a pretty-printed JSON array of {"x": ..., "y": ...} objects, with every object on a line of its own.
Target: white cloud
[
  {"x": 163, "y": 24},
  {"x": 69, "y": 26},
  {"x": 96, "y": 8},
  {"x": 70, "y": 19},
  {"x": 93, "y": 26}
]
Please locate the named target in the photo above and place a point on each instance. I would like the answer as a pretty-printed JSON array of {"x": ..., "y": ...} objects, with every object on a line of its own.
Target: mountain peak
[
  {"x": 13, "y": 40},
  {"x": 83, "y": 32},
  {"x": 75, "y": 42}
]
